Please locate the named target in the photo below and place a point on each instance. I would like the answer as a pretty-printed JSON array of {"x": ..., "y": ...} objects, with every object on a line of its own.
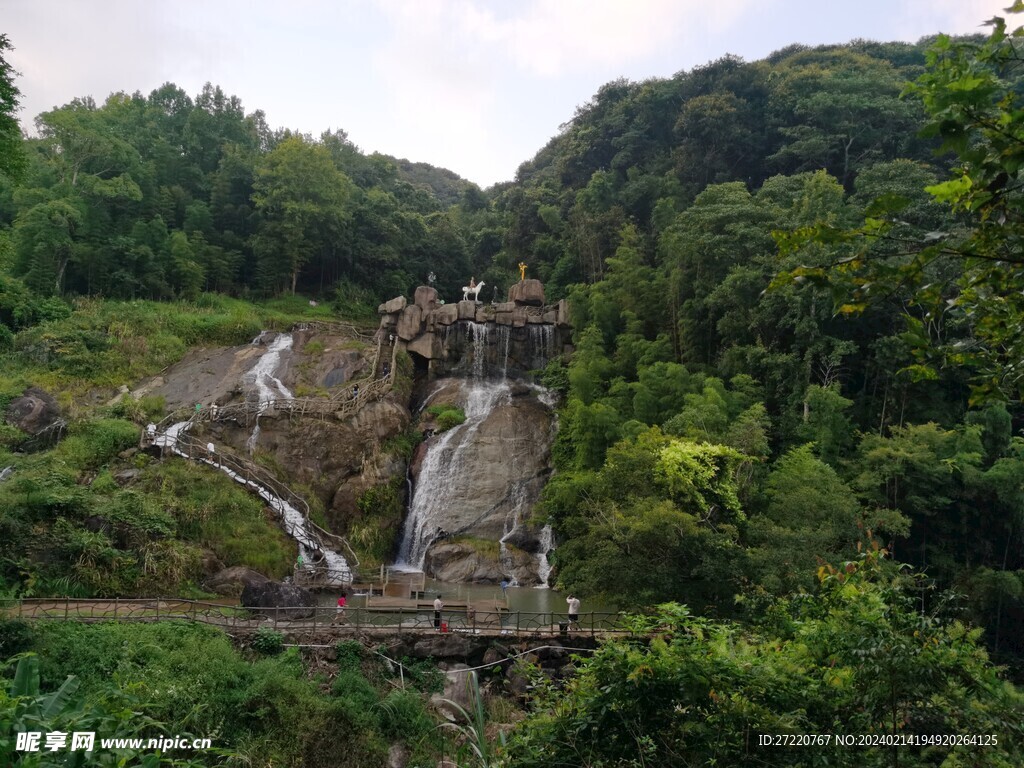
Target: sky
[{"x": 476, "y": 86}]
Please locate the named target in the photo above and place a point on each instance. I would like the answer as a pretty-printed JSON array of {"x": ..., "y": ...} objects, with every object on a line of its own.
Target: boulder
[
  {"x": 519, "y": 317},
  {"x": 446, "y": 314},
  {"x": 467, "y": 310},
  {"x": 499, "y": 657},
  {"x": 505, "y": 306},
  {"x": 398, "y": 756},
  {"x": 34, "y": 411},
  {"x": 274, "y": 598},
  {"x": 527, "y": 293},
  {"x": 562, "y": 312},
  {"x": 423, "y": 345},
  {"x": 126, "y": 476},
  {"x": 425, "y": 298},
  {"x": 534, "y": 318},
  {"x": 445, "y": 645},
  {"x": 397, "y": 304},
  {"x": 410, "y": 323},
  {"x": 460, "y": 562},
  {"x": 482, "y": 315},
  {"x": 503, "y": 318},
  {"x": 231, "y": 582},
  {"x": 550, "y": 317},
  {"x": 457, "y": 686}
]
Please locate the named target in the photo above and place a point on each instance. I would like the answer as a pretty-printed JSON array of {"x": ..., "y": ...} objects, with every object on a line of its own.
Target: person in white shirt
[
  {"x": 574, "y": 610},
  {"x": 438, "y": 605}
]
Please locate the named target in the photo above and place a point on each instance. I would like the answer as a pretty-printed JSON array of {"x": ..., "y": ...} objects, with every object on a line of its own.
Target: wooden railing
[
  {"x": 341, "y": 405},
  {"x": 416, "y": 620}
]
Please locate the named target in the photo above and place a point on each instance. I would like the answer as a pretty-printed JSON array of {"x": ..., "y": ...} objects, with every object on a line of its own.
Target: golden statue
[{"x": 522, "y": 271}]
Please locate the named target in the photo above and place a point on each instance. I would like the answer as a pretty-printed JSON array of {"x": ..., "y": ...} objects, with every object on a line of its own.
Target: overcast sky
[{"x": 474, "y": 86}]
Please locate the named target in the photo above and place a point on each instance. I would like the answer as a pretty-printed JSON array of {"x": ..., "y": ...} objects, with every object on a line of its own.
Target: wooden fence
[{"x": 320, "y": 618}]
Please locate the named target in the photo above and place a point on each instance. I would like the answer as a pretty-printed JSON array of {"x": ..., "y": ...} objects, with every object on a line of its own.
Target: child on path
[{"x": 339, "y": 617}]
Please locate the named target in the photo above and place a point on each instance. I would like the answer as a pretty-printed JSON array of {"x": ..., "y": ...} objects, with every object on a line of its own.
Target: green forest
[{"x": 790, "y": 434}]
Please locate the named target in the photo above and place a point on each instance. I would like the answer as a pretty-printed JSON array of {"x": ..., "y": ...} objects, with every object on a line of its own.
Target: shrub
[
  {"x": 350, "y": 654},
  {"x": 95, "y": 443},
  {"x": 449, "y": 419},
  {"x": 267, "y": 641},
  {"x": 446, "y": 416},
  {"x": 403, "y": 717},
  {"x": 15, "y": 636}
]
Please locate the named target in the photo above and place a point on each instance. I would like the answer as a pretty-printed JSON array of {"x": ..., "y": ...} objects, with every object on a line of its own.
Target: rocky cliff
[
  {"x": 473, "y": 338},
  {"x": 476, "y": 485}
]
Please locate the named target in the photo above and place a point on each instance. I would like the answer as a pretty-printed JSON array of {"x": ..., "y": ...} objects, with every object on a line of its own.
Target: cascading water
[
  {"x": 547, "y": 543},
  {"x": 441, "y": 481},
  {"x": 504, "y": 339},
  {"x": 295, "y": 523},
  {"x": 479, "y": 334},
  {"x": 478, "y": 481},
  {"x": 266, "y": 386}
]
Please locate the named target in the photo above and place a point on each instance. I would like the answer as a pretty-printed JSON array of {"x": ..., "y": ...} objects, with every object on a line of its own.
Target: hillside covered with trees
[{"x": 789, "y": 434}]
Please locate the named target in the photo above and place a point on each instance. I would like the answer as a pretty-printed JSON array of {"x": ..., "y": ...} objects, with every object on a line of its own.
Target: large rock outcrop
[
  {"x": 33, "y": 412},
  {"x": 338, "y": 459},
  {"x": 475, "y": 485},
  {"x": 528, "y": 293},
  {"x": 471, "y": 337},
  {"x": 274, "y": 598}
]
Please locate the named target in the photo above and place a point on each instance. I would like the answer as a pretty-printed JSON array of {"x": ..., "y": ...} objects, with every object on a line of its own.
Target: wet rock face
[
  {"x": 463, "y": 564},
  {"x": 33, "y": 412},
  {"x": 478, "y": 484},
  {"x": 337, "y": 459}
]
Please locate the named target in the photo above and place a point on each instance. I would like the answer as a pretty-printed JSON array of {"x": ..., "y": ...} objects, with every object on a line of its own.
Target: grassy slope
[{"x": 66, "y": 526}]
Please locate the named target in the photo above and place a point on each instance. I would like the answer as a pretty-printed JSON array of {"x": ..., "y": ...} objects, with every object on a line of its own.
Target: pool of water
[{"x": 526, "y": 599}]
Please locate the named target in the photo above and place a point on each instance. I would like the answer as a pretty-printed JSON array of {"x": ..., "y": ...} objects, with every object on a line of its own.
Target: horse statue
[{"x": 474, "y": 289}]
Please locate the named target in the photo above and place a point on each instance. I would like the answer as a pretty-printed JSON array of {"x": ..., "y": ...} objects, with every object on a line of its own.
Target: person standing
[
  {"x": 574, "y": 610},
  {"x": 438, "y": 605},
  {"x": 504, "y": 588}
]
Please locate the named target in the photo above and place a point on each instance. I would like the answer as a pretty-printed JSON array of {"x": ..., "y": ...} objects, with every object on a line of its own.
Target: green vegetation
[
  {"x": 446, "y": 416},
  {"x": 381, "y": 509},
  {"x": 177, "y": 679},
  {"x": 856, "y": 658},
  {"x": 71, "y": 529},
  {"x": 790, "y": 430}
]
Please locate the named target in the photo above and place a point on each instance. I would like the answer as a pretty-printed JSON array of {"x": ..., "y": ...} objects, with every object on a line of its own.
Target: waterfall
[
  {"x": 440, "y": 480},
  {"x": 542, "y": 344},
  {"x": 295, "y": 523},
  {"x": 547, "y": 543},
  {"x": 267, "y": 387},
  {"x": 480, "y": 336},
  {"x": 504, "y": 338}
]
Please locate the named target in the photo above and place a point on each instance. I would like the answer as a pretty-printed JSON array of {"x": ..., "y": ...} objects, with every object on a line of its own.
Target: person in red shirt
[{"x": 339, "y": 617}]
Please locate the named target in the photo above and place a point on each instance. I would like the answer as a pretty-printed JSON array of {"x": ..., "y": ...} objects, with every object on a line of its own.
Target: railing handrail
[
  {"x": 252, "y": 473},
  {"x": 459, "y": 619}
]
